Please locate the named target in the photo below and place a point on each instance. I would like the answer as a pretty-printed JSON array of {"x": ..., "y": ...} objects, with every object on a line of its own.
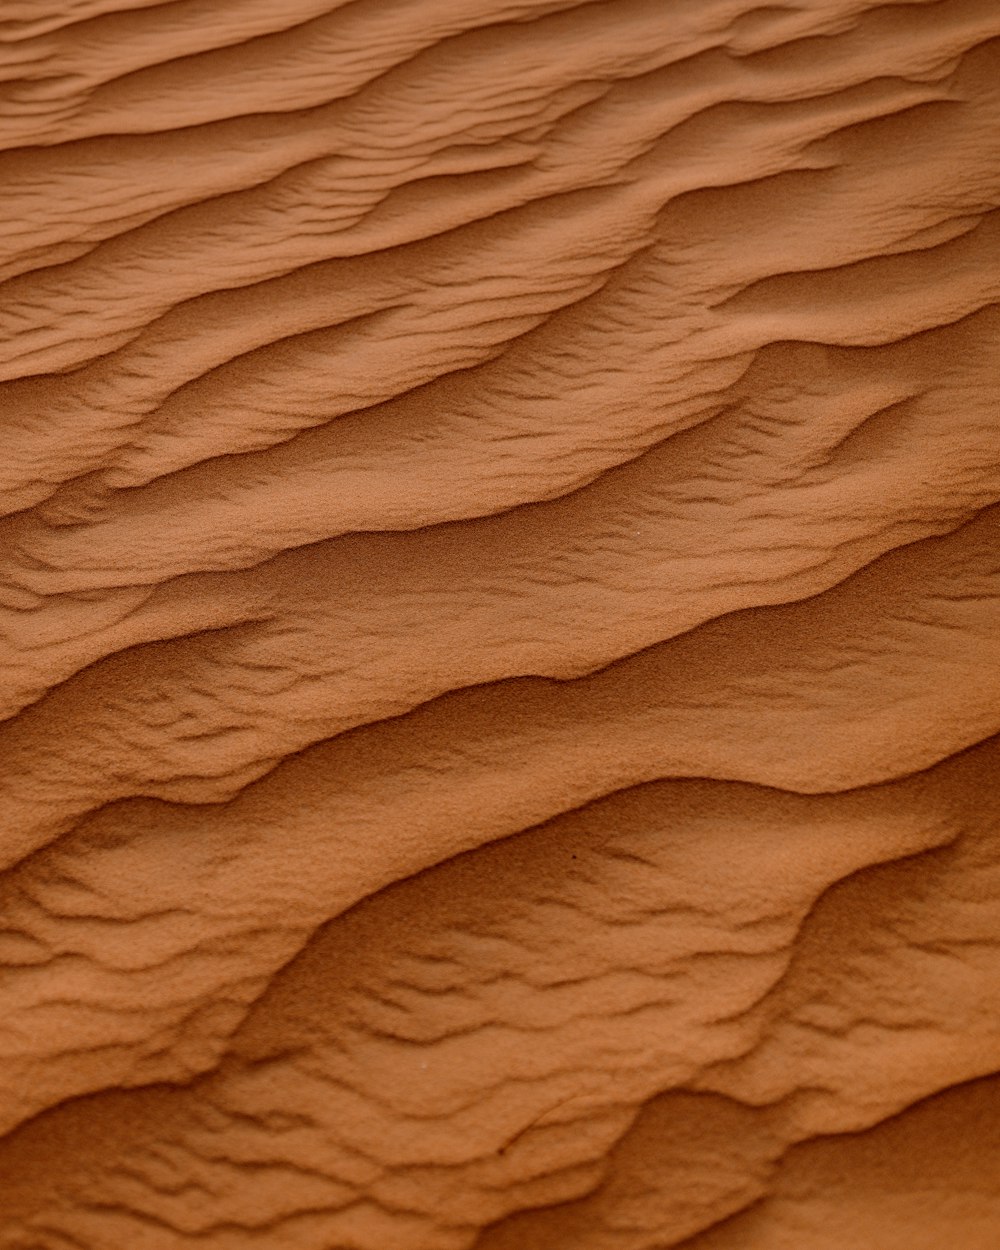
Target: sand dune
[{"x": 500, "y": 619}]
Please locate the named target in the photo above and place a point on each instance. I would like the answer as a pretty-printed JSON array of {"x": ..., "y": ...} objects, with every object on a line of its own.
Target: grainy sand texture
[{"x": 500, "y": 624}]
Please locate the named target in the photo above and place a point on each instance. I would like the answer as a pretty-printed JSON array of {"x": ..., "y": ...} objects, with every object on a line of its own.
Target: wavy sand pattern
[{"x": 500, "y": 611}]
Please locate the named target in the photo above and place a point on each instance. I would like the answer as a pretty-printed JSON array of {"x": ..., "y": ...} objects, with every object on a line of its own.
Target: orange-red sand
[{"x": 499, "y": 625}]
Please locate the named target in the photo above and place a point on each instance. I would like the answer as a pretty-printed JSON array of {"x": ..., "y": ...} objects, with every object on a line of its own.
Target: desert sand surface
[{"x": 500, "y": 625}]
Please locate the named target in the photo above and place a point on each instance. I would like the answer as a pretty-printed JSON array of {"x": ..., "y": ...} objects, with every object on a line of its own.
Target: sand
[{"x": 499, "y": 625}]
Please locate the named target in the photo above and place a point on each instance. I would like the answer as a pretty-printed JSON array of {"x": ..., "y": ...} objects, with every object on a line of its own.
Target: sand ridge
[{"x": 499, "y": 602}]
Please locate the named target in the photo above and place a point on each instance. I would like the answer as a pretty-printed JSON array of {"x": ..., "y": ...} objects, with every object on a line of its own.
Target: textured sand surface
[{"x": 500, "y": 624}]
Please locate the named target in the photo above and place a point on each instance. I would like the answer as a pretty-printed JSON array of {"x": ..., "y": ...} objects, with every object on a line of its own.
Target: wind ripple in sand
[{"x": 499, "y": 596}]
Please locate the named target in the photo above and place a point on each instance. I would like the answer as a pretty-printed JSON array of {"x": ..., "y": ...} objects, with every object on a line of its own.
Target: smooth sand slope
[{"x": 500, "y": 625}]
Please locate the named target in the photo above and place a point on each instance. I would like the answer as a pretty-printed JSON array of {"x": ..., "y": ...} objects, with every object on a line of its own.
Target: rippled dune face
[{"x": 500, "y": 609}]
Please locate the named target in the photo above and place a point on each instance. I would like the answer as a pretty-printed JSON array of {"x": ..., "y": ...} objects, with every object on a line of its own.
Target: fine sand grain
[{"x": 500, "y": 625}]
